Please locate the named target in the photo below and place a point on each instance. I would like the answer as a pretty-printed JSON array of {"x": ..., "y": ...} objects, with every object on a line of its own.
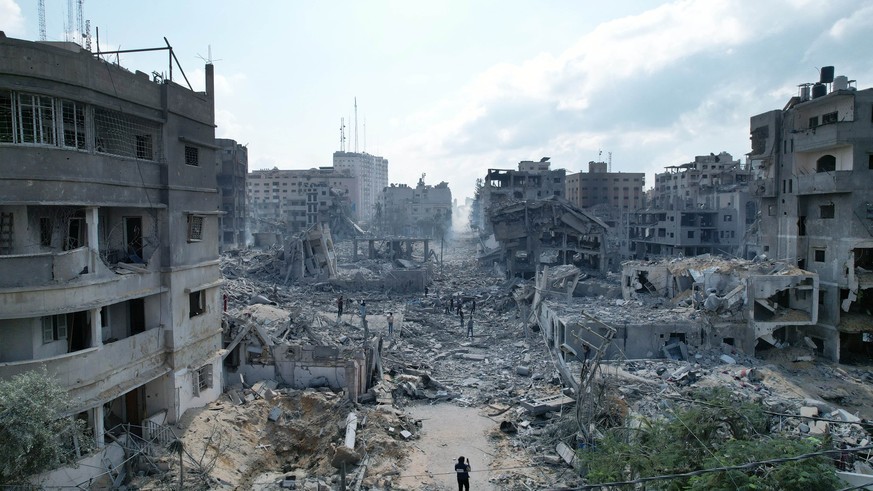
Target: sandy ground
[{"x": 449, "y": 431}]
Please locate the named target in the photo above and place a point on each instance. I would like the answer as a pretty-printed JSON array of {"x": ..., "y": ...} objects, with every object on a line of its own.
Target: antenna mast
[
  {"x": 610, "y": 161},
  {"x": 80, "y": 22},
  {"x": 342, "y": 134},
  {"x": 41, "y": 8},
  {"x": 70, "y": 34},
  {"x": 356, "y": 125}
]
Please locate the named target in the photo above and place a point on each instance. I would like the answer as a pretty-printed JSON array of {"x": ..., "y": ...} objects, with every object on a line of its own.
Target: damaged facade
[
  {"x": 701, "y": 207},
  {"x": 532, "y": 180},
  {"x": 547, "y": 232},
  {"x": 110, "y": 226},
  {"x": 232, "y": 163},
  {"x": 424, "y": 210},
  {"x": 813, "y": 168}
]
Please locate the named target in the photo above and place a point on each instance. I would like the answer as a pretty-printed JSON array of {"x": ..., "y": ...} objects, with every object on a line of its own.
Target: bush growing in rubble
[
  {"x": 35, "y": 436},
  {"x": 716, "y": 432}
]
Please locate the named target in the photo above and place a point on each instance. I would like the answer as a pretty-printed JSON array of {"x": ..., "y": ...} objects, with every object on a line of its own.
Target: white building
[
  {"x": 423, "y": 210},
  {"x": 372, "y": 173}
]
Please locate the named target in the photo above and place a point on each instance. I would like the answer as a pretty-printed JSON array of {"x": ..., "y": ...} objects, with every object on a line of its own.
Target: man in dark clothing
[
  {"x": 473, "y": 308},
  {"x": 339, "y": 307},
  {"x": 461, "y": 314},
  {"x": 451, "y": 303},
  {"x": 462, "y": 469}
]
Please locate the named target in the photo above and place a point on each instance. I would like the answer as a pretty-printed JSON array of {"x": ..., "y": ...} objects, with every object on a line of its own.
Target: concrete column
[
  {"x": 96, "y": 328},
  {"x": 99, "y": 430},
  {"x": 93, "y": 244}
]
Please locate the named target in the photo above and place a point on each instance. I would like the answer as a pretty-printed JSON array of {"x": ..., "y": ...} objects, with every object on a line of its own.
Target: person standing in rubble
[
  {"x": 349, "y": 307},
  {"x": 473, "y": 308},
  {"x": 470, "y": 327},
  {"x": 339, "y": 308},
  {"x": 461, "y": 315},
  {"x": 390, "y": 320},
  {"x": 451, "y": 303},
  {"x": 462, "y": 469},
  {"x": 362, "y": 309}
]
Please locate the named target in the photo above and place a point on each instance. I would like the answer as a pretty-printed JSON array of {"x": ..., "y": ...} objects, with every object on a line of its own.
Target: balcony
[
  {"x": 98, "y": 374},
  {"x": 43, "y": 284},
  {"x": 822, "y": 137},
  {"x": 826, "y": 183}
]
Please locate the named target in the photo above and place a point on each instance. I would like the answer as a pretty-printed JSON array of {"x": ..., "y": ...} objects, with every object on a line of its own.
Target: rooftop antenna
[
  {"x": 88, "y": 34},
  {"x": 208, "y": 60},
  {"x": 70, "y": 33},
  {"x": 41, "y": 8},
  {"x": 342, "y": 134},
  {"x": 356, "y": 125},
  {"x": 610, "y": 161},
  {"x": 80, "y": 23}
]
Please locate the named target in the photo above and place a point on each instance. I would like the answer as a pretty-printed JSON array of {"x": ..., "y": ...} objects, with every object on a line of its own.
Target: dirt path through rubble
[{"x": 449, "y": 431}]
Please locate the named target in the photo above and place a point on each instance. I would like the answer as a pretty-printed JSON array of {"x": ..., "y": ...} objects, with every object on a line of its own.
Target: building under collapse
[
  {"x": 813, "y": 168},
  {"x": 532, "y": 181},
  {"x": 547, "y": 232},
  {"x": 109, "y": 229}
]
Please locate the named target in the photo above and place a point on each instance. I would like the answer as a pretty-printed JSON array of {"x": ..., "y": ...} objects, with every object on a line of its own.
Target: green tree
[
  {"x": 717, "y": 432},
  {"x": 35, "y": 434}
]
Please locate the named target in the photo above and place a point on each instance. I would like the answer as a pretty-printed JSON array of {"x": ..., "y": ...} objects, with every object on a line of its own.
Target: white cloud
[
  {"x": 11, "y": 19},
  {"x": 860, "y": 20}
]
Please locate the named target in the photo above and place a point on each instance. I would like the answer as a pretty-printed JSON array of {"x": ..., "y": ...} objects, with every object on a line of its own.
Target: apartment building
[
  {"x": 424, "y": 210},
  {"x": 813, "y": 173},
  {"x": 621, "y": 191},
  {"x": 109, "y": 226},
  {"x": 700, "y": 207},
  {"x": 298, "y": 198},
  {"x": 232, "y": 167},
  {"x": 533, "y": 180},
  {"x": 372, "y": 174}
]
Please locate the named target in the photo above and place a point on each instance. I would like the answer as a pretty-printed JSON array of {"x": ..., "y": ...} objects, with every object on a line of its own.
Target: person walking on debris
[
  {"x": 390, "y": 320},
  {"x": 451, "y": 304},
  {"x": 339, "y": 308},
  {"x": 349, "y": 307},
  {"x": 462, "y": 469},
  {"x": 461, "y": 315},
  {"x": 473, "y": 308},
  {"x": 447, "y": 305},
  {"x": 470, "y": 327}
]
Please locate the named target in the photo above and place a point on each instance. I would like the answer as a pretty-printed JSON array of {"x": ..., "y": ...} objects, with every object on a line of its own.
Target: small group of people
[
  {"x": 345, "y": 304},
  {"x": 459, "y": 310}
]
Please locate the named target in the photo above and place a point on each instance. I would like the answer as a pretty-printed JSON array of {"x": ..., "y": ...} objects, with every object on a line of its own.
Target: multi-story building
[
  {"x": 813, "y": 167},
  {"x": 299, "y": 198},
  {"x": 701, "y": 207},
  {"x": 232, "y": 166},
  {"x": 617, "y": 190},
  {"x": 533, "y": 180},
  {"x": 109, "y": 214},
  {"x": 372, "y": 174},
  {"x": 423, "y": 210}
]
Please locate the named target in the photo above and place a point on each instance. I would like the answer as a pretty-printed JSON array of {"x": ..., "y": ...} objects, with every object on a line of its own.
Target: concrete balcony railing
[
  {"x": 822, "y": 137},
  {"x": 91, "y": 374},
  {"x": 54, "y": 285},
  {"x": 825, "y": 182}
]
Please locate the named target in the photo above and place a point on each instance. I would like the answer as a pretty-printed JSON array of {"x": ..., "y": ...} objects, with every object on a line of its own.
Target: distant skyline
[{"x": 450, "y": 89}]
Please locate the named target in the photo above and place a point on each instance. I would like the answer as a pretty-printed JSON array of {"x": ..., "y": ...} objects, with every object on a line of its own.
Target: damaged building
[
  {"x": 813, "y": 166},
  {"x": 232, "y": 164},
  {"x": 547, "y": 232},
  {"x": 422, "y": 211},
  {"x": 533, "y": 180},
  {"x": 109, "y": 230},
  {"x": 700, "y": 207}
]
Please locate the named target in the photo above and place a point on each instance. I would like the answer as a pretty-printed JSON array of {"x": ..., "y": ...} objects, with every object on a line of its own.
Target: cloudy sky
[{"x": 454, "y": 87}]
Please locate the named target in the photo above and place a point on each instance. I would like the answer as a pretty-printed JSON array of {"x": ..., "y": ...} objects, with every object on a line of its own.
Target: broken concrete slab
[
  {"x": 566, "y": 453},
  {"x": 275, "y": 414}
]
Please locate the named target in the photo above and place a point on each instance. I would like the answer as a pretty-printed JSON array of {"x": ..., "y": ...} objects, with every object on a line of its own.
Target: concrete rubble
[{"x": 312, "y": 401}]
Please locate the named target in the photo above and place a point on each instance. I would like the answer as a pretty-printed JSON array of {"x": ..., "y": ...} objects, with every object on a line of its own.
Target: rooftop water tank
[
  {"x": 804, "y": 93},
  {"x": 819, "y": 90},
  {"x": 827, "y": 74},
  {"x": 841, "y": 82}
]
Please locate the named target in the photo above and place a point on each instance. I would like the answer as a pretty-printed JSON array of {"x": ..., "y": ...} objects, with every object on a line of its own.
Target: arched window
[{"x": 827, "y": 163}]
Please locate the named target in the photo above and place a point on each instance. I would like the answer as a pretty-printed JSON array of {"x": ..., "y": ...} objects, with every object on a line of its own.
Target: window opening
[
  {"x": 73, "y": 121},
  {"x": 36, "y": 119},
  {"x": 195, "y": 228},
  {"x": 192, "y": 156},
  {"x": 827, "y": 163},
  {"x": 54, "y": 328},
  {"x": 819, "y": 255},
  {"x": 125, "y": 135},
  {"x": 197, "y": 303},
  {"x": 826, "y": 211}
]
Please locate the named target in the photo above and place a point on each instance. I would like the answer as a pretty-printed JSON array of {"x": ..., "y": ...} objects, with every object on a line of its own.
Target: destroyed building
[
  {"x": 547, "y": 232},
  {"x": 371, "y": 172},
  {"x": 422, "y": 211},
  {"x": 701, "y": 207},
  {"x": 532, "y": 180},
  {"x": 109, "y": 231},
  {"x": 232, "y": 163},
  {"x": 289, "y": 201},
  {"x": 813, "y": 168}
]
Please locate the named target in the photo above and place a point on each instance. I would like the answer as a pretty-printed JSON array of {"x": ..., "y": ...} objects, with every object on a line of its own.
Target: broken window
[
  {"x": 826, "y": 211},
  {"x": 829, "y": 118},
  {"x": 45, "y": 231},
  {"x": 6, "y": 126},
  {"x": 196, "y": 303},
  {"x": 125, "y": 135},
  {"x": 195, "y": 228},
  {"x": 819, "y": 255},
  {"x": 54, "y": 328},
  {"x": 73, "y": 124},
  {"x": 202, "y": 379},
  {"x": 36, "y": 119},
  {"x": 827, "y": 163},
  {"x": 192, "y": 156}
]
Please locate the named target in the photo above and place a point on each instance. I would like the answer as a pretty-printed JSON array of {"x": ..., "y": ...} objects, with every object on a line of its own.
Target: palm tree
[{"x": 176, "y": 446}]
